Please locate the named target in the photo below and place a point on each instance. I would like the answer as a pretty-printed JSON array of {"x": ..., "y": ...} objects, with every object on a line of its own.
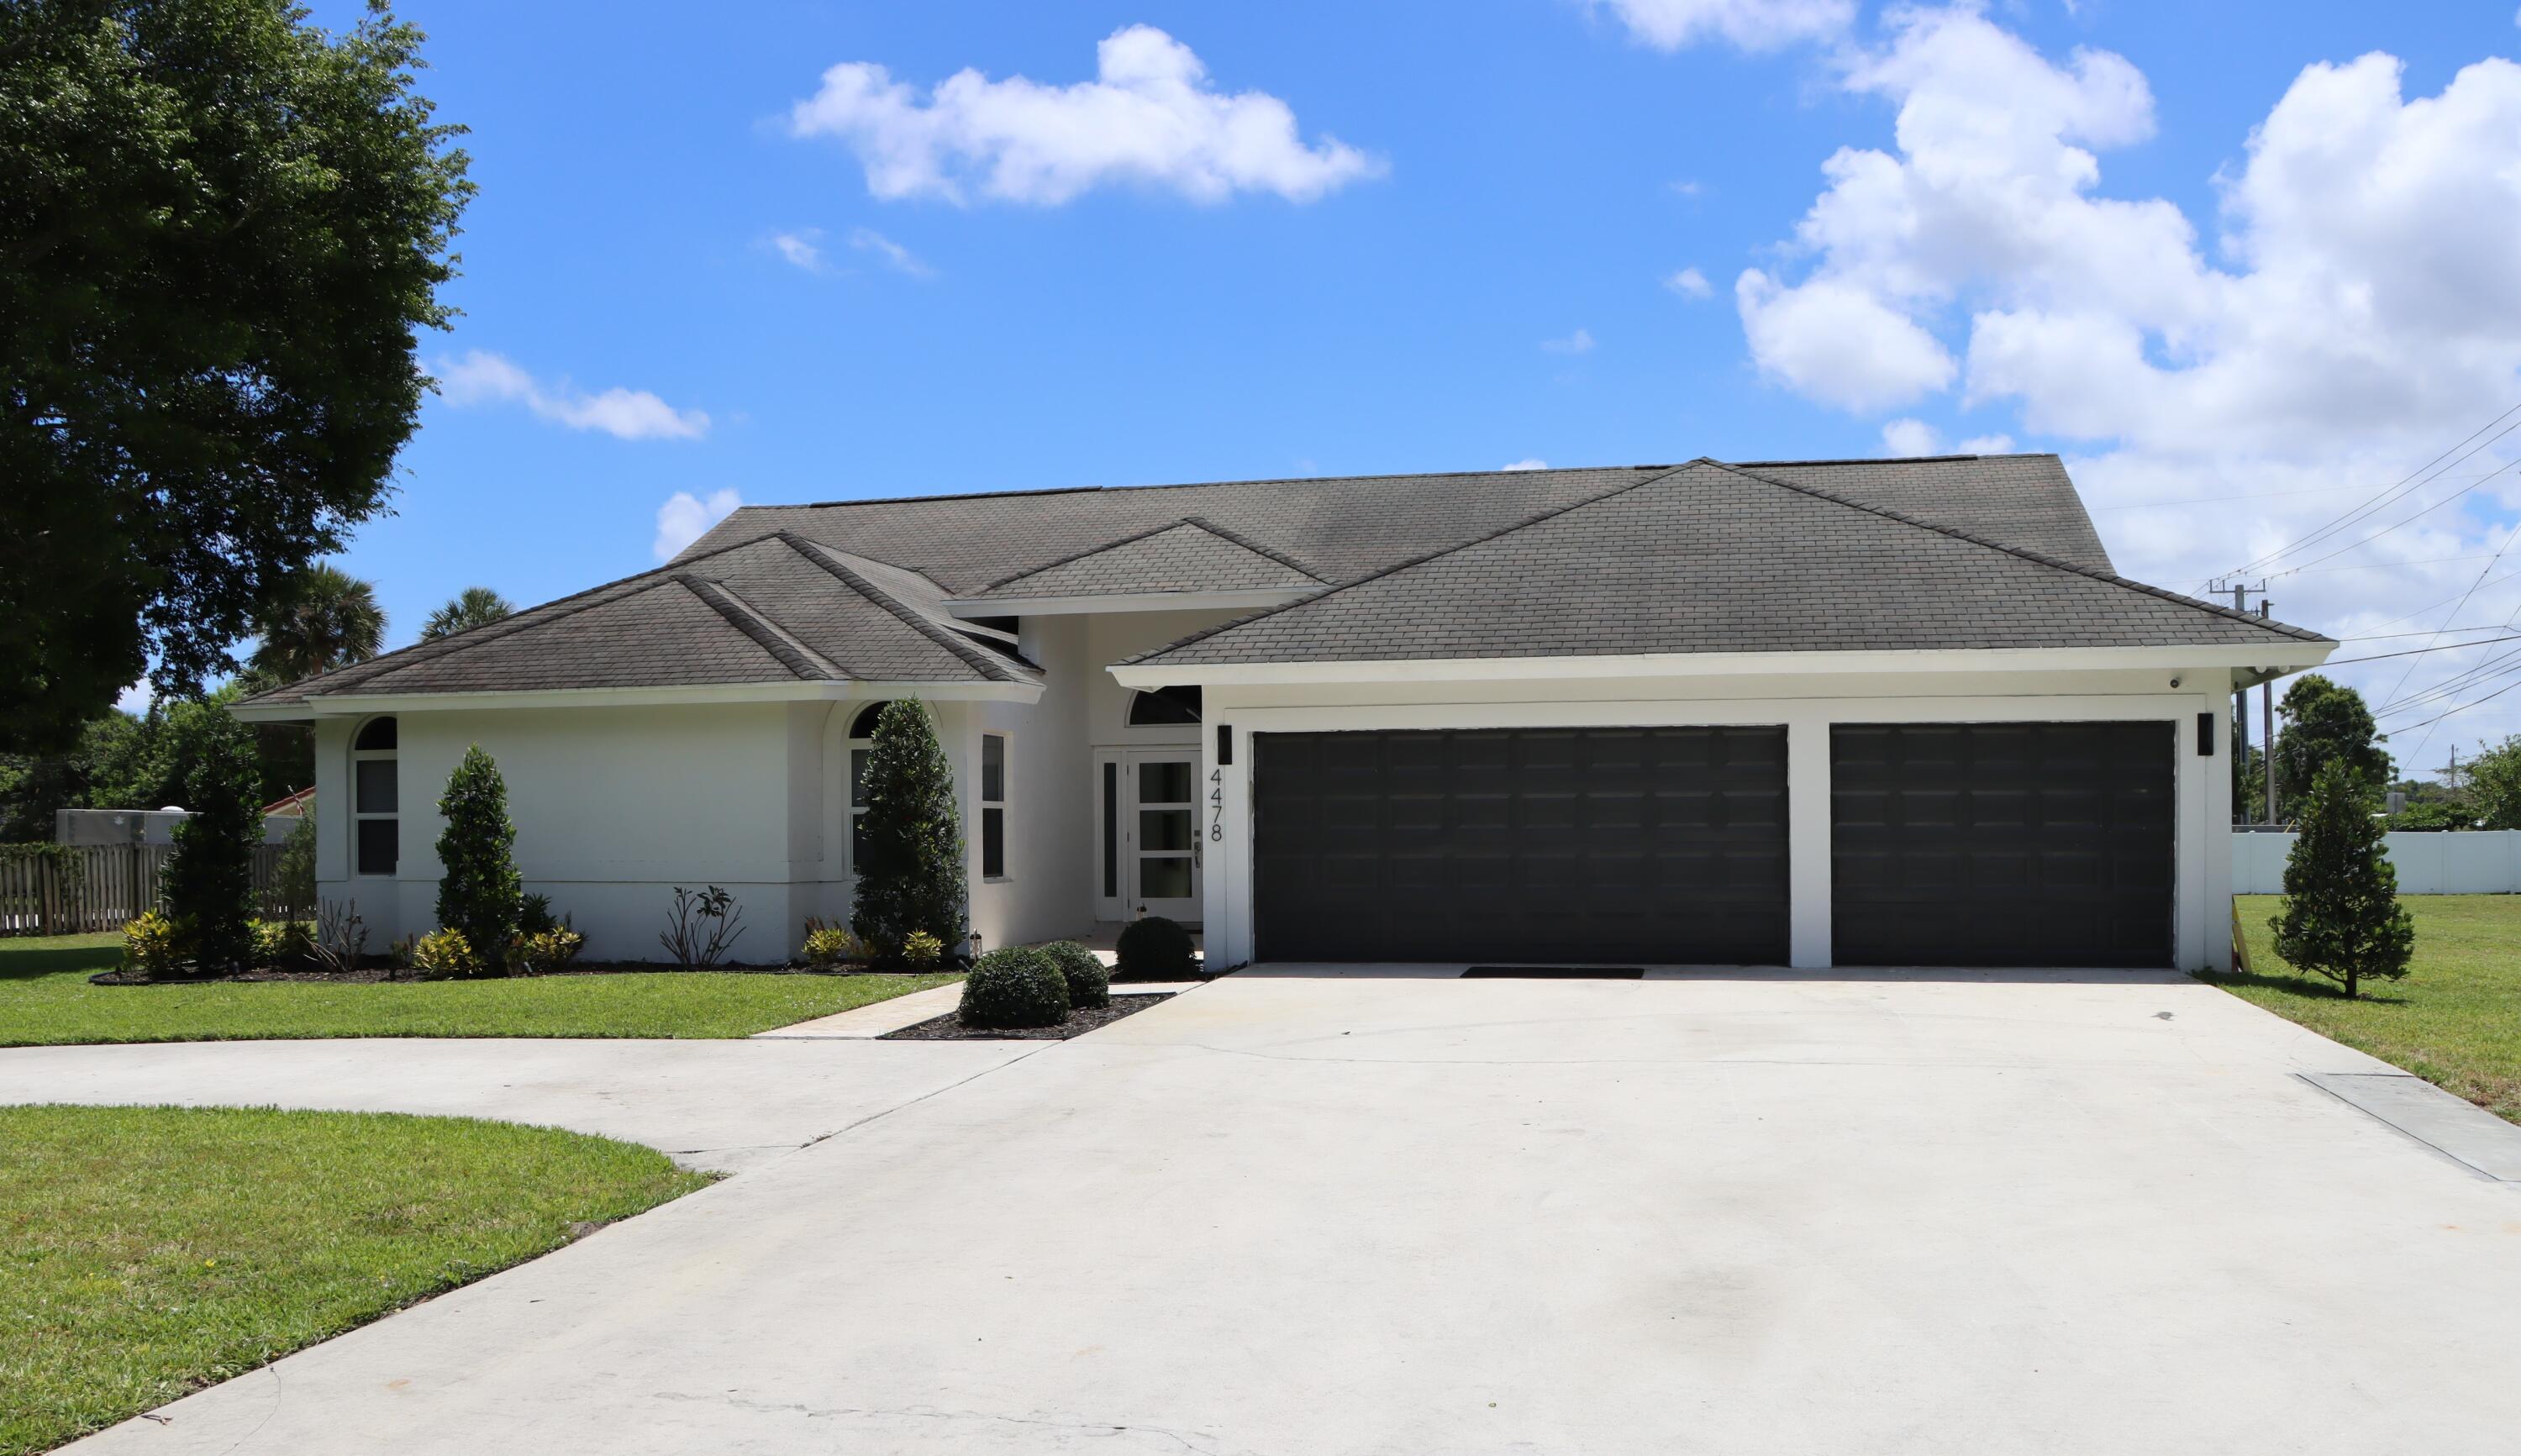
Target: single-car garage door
[
  {"x": 1577, "y": 845},
  {"x": 2001, "y": 843}
]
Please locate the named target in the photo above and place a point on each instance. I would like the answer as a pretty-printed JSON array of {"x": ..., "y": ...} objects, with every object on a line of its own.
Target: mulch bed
[
  {"x": 381, "y": 973},
  {"x": 949, "y": 1028}
]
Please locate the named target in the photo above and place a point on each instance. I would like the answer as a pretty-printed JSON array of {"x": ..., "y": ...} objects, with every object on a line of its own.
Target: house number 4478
[{"x": 1216, "y": 806}]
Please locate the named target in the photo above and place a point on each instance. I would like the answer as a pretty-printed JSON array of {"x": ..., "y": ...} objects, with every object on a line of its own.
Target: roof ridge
[
  {"x": 1079, "y": 555},
  {"x": 986, "y": 663},
  {"x": 1901, "y": 458},
  {"x": 1254, "y": 547},
  {"x": 2024, "y": 553},
  {"x": 1530, "y": 520},
  {"x": 774, "y": 639},
  {"x": 901, "y": 500}
]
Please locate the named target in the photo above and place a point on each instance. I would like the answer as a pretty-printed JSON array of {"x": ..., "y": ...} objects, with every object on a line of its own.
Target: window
[
  {"x": 993, "y": 807},
  {"x": 376, "y": 832},
  {"x": 861, "y": 747},
  {"x": 1165, "y": 706}
]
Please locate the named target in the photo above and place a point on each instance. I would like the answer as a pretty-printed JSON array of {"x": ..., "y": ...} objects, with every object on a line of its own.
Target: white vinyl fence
[{"x": 2484, "y": 861}]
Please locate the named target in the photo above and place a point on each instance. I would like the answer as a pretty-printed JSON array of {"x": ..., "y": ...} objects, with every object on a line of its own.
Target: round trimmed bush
[
  {"x": 1155, "y": 949},
  {"x": 1090, "y": 984},
  {"x": 1018, "y": 987}
]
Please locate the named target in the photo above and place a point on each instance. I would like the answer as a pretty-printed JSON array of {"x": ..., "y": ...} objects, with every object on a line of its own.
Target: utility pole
[
  {"x": 2242, "y": 594},
  {"x": 2268, "y": 710}
]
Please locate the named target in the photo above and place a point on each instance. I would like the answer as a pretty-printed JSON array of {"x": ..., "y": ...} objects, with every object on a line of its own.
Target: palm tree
[
  {"x": 472, "y": 607},
  {"x": 330, "y": 620}
]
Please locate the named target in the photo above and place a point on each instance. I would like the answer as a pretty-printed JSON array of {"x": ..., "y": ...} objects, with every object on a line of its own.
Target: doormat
[{"x": 1555, "y": 973}]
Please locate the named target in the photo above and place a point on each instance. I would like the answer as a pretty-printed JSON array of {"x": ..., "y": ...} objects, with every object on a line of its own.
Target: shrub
[
  {"x": 1154, "y": 948},
  {"x": 297, "y": 865},
  {"x": 341, "y": 940},
  {"x": 1089, "y": 984},
  {"x": 443, "y": 953},
  {"x": 827, "y": 946},
  {"x": 2340, "y": 916},
  {"x": 546, "y": 951},
  {"x": 701, "y": 926},
  {"x": 281, "y": 945},
  {"x": 910, "y": 861},
  {"x": 149, "y": 946},
  {"x": 209, "y": 882},
  {"x": 921, "y": 950},
  {"x": 535, "y": 916},
  {"x": 478, "y": 890},
  {"x": 1018, "y": 987}
]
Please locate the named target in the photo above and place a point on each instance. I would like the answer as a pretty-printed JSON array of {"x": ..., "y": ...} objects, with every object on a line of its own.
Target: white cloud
[
  {"x": 136, "y": 697},
  {"x": 1149, "y": 118},
  {"x": 479, "y": 377},
  {"x": 801, "y": 248},
  {"x": 2353, "y": 307},
  {"x": 1752, "y": 24},
  {"x": 1689, "y": 283},
  {"x": 685, "y": 517},
  {"x": 1578, "y": 342},
  {"x": 1986, "y": 445},
  {"x": 1911, "y": 438},
  {"x": 901, "y": 258},
  {"x": 1528, "y": 462}
]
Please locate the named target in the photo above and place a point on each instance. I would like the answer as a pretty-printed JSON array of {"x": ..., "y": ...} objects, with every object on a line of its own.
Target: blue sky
[{"x": 2050, "y": 225}]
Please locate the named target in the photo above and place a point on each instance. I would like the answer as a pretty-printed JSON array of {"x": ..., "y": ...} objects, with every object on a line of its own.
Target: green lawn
[
  {"x": 148, "y": 1251},
  {"x": 45, "y": 1000},
  {"x": 2455, "y": 1021}
]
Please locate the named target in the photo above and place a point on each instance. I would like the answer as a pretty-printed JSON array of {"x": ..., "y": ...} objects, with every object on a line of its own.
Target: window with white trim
[
  {"x": 375, "y": 825},
  {"x": 993, "y": 807},
  {"x": 861, "y": 748}
]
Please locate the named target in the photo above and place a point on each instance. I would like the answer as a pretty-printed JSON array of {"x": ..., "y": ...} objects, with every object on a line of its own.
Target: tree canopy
[
  {"x": 2340, "y": 916},
  {"x": 472, "y": 607},
  {"x": 330, "y": 620},
  {"x": 221, "y": 229},
  {"x": 2326, "y": 722}
]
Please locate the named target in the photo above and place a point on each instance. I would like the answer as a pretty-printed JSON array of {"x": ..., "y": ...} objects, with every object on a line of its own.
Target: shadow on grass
[
  {"x": 26, "y": 962},
  {"x": 2304, "y": 986}
]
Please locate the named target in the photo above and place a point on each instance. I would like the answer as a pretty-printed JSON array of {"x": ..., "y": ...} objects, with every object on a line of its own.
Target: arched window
[
  {"x": 1165, "y": 706},
  {"x": 861, "y": 746},
  {"x": 376, "y": 830}
]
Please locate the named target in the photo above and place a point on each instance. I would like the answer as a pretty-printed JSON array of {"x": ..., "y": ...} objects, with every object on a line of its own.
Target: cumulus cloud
[
  {"x": 895, "y": 256},
  {"x": 2230, "y": 383},
  {"x": 1689, "y": 283},
  {"x": 801, "y": 248},
  {"x": 1528, "y": 462},
  {"x": 1752, "y": 24},
  {"x": 1911, "y": 438},
  {"x": 1578, "y": 342},
  {"x": 685, "y": 517},
  {"x": 1150, "y": 118},
  {"x": 479, "y": 377}
]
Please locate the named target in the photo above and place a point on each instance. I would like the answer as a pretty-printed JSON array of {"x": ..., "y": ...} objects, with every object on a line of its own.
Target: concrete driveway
[{"x": 1313, "y": 1213}]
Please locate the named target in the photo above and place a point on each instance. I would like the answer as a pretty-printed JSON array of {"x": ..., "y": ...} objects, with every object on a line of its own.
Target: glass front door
[{"x": 1160, "y": 829}]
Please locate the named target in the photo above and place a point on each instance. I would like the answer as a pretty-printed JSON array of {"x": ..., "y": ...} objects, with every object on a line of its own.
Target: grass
[
  {"x": 2455, "y": 1021},
  {"x": 45, "y": 1000},
  {"x": 148, "y": 1251}
]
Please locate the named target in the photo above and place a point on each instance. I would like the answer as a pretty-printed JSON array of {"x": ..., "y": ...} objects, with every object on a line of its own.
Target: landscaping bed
[
  {"x": 951, "y": 1028},
  {"x": 2454, "y": 1021},
  {"x": 384, "y": 971},
  {"x": 154, "y": 1250}
]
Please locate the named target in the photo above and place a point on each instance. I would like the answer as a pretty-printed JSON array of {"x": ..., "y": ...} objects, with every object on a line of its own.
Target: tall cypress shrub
[
  {"x": 208, "y": 882},
  {"x": 2341, "y": 917},
  {"x": 479, "y": 891},
  {"x": 911, "y": 865}
]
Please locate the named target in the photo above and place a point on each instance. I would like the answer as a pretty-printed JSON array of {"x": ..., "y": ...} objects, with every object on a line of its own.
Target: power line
[
  {"x": 2445, "y": 602},
  {"x": 2428, "y": 723},
  {"x": 2409, "y": 521},
  {"x": 2212, "y": 500},
  {"x": 2379, "y": 636},
  {"x": 2413, "y": 480},
  {"x": 2420, "y": 651}
]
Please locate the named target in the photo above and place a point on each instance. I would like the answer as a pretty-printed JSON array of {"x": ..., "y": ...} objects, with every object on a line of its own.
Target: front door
[{"x": 1149, "y": 824}]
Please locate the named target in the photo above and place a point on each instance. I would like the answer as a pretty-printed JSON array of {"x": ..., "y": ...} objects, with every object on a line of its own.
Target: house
[{"x": 1801, "y": 712}]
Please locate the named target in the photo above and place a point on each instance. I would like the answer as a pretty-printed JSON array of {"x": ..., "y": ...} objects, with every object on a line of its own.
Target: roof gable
[
  {"x": 1709, "y": 558},
  {"x": 1186, "y": 556}
]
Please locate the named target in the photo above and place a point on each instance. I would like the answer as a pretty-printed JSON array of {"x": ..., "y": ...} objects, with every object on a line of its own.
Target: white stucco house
[{"x": 1858, "y": 713}]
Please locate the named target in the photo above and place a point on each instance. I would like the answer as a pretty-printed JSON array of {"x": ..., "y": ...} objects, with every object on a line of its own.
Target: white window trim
[
  {"x": 1006, "y": 793},
  {"x": 358, "y": 816},
  {"x": 851, "y": 809}
]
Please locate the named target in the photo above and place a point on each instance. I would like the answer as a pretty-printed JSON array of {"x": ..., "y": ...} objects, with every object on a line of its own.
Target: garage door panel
[
  {"x": 2002, "y": 843},
  {"x": 1553, "y": 844}
]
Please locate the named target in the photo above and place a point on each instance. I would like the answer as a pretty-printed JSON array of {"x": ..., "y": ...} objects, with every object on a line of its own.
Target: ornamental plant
[
  {"x": 1015, "y": 987},
  {"x": 445, "y": 953},
  {"x": 2340, "y": 916},
  {"x": 921, "y": 951},
  {"x": 911, "y": 864},
  {"x": 545, "y": 951},
  {"x": 479, "y": 891},
  {"x": 148, "y": 945},
  {"x": 208, "y": 882},
  {"x": 1089, "y": 984},
  {"x": 1154, "y": 948},
  {"x": 827, "y": 946}
]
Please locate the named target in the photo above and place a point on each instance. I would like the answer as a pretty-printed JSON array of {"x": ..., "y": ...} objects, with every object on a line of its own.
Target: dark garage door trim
[
  {"x": 2003, "y": 843},
  {"x": 1553, "y": 844}
]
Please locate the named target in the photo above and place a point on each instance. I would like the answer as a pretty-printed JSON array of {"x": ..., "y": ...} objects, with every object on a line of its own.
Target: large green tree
[
  {"x": 472, "y": 607},
  {"x": 2494, "y": 785},
  {"x": 329, "y": 619},
  {"x": 2326, "y": 722},
  {"x": 221, "y": 229},
  {"x": 208, "y": 880},
  {"x": 2340, "y": 916},
  {"x": 910, "y": 856}
]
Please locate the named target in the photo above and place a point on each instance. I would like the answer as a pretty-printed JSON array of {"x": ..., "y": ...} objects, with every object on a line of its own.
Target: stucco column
[{"x": 1807, "y": 838}]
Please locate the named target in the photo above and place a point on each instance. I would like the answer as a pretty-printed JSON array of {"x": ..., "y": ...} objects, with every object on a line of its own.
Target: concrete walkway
[{"x": 1297, "y": 1212}]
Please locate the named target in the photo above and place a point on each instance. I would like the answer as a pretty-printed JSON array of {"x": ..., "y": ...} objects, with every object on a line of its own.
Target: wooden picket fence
[{"x": 49, "y": 890}]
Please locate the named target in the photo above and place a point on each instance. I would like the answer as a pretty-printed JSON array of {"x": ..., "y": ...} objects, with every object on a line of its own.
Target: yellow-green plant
[
  {"x": 148, "y": 945},
  {"x": 921, "y": 950},
  {"x": 546, "y": 951},
  {"x": 282, "y": 943},
  {"x": 445, "y": 953},
  {"x": 828, "y": 945}
]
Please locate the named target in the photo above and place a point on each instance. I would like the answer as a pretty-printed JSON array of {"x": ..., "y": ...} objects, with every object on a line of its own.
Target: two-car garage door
[{"x": 2022, "y": 843}]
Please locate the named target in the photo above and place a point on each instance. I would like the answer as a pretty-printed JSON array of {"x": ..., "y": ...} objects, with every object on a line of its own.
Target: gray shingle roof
[
  {"x": 1187, "y": 556},
  {"x": 1709, "y": 558}
]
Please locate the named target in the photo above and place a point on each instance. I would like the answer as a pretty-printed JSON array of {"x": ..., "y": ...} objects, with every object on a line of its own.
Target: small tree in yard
[
  {"x": 910, "y": 868},
  {"x": 209, "y": 882},
  {"x": 478, "y": 893},
  {"x": 2340, "y": 917}
]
